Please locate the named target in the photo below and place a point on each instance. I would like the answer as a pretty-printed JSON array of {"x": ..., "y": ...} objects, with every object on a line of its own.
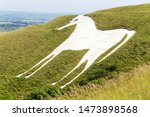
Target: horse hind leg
[
  {"x": 84, "y": 59},
  {"x": 78, "y": 65},
  {"x": 88, "y": 64},
  {"x": 129, "y": 35}
]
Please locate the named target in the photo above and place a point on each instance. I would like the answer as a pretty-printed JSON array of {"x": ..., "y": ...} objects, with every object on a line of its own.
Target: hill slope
[
  {"x": 129, "y": 86},
  {"x": 21, "y": 49}
]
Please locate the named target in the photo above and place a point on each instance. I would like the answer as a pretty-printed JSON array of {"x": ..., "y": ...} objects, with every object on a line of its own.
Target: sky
[{"x": 65, "y": 6}]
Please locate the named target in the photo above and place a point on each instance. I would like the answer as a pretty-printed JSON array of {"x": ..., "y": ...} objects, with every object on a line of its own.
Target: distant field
[
  {"x": 5, "y": 23},
  {"x": 16, "y": 20},
  {"x": 2, "y": 31}
]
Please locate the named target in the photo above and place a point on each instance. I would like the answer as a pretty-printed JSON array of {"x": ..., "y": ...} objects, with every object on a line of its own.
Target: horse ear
[{"x": 82, "y": 15}]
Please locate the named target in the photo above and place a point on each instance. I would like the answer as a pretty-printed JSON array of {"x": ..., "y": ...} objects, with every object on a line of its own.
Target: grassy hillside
[
  {"x": 132, "y": 85},
  {"x": 21, "y": 49}
]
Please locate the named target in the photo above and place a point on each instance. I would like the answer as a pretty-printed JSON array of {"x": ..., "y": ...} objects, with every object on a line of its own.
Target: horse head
[{"x": 74, "y": 21}]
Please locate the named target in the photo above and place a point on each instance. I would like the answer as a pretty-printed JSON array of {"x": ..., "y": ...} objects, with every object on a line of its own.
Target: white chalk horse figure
[{"x": 85, "y": 36}]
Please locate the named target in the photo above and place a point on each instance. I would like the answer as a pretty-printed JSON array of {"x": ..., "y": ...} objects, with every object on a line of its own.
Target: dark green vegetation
[{"x": 21, "y": 49}]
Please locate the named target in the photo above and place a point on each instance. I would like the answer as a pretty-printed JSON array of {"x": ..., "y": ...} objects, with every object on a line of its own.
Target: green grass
[
  {"x": 128, "y": 86},
  {"x": 21, "y": 49}
]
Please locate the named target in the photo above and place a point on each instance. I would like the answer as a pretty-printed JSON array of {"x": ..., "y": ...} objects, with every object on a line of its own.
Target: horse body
[{"x": 85, "y": 36}]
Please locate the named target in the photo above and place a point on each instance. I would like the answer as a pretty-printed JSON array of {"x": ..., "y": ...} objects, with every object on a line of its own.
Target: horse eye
[{"x": 76, "y": 20}]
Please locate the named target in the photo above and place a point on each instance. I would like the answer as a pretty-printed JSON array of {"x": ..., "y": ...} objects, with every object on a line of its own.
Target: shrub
[
  {"x": 111, "y": 68},
  {"x": 83, "y": 82},
  {"x": 52, "y": 91},
  {"x": 36, "y": 95}
]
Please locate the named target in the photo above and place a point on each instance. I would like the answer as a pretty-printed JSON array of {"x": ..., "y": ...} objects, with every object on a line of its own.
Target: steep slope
[{"x": 21, "y": 49}]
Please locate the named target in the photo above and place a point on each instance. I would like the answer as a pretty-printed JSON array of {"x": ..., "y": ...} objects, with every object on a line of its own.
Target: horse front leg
[
  {"x": 47, "y": 57},
  {"x": 45, "y": 63}
]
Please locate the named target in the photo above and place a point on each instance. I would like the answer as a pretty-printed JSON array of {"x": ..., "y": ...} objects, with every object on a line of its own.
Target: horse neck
[{"x": 88, "y": 27}]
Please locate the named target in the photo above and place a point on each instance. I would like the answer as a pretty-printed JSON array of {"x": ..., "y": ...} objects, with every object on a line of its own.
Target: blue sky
[{"x": 65, "y": 6}]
